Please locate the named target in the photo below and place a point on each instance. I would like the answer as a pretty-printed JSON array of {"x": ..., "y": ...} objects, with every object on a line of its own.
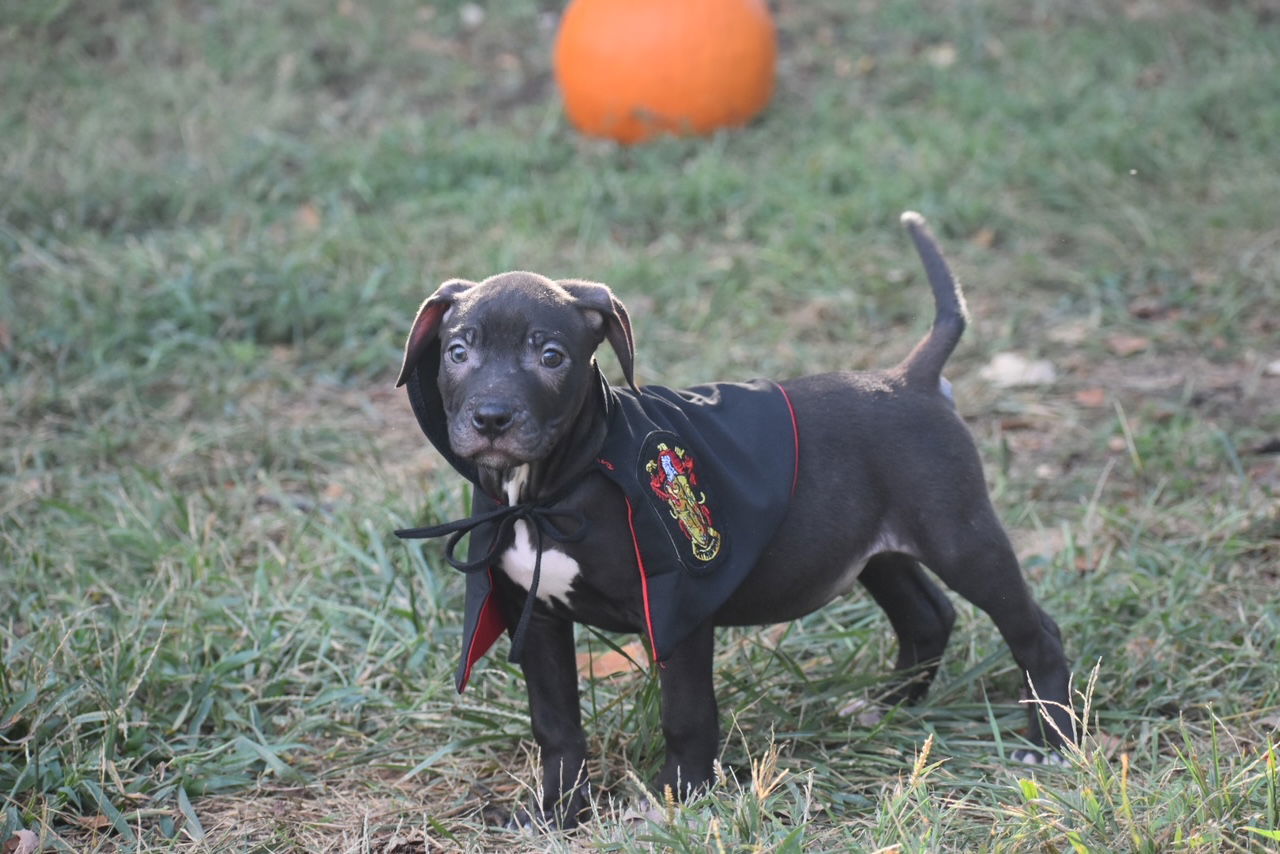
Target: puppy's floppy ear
[
  {"x": 426, "y": 326},
  {"x": 594, "y": 296}
]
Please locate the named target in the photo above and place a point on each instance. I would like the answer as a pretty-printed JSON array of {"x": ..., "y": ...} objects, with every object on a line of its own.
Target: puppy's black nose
[{"x": 492, "y": 419}]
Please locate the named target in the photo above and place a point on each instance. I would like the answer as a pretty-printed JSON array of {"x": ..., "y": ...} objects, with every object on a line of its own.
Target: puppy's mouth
[
  {"x": 499, "y": 453},
  {"x": 497, "y": 459}
]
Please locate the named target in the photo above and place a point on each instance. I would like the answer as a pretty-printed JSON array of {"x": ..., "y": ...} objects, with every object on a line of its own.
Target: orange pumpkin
[{"x": 631, "y": 69}]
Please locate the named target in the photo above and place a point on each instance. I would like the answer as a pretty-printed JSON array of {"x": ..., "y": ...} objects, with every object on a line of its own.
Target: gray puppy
[{"x": 670, "y": 512}]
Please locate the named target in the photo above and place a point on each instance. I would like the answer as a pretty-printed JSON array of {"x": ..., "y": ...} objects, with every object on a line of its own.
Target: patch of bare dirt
[{"x": 1070, "y": 440}]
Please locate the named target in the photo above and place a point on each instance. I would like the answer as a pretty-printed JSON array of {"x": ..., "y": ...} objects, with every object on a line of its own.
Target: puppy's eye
[
  {"x": 552, "y": 358},
  {"x": 457, "y": 354}
]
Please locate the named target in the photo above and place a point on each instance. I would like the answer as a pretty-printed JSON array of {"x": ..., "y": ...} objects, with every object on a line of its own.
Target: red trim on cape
[
  {"x": 644, "y": 579},
  {"x": 795, "y": 435},
  {"x": 489, "y": 627}
]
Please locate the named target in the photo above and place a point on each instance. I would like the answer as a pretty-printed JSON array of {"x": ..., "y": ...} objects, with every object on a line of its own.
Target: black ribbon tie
[{"x": 539, "y": 517}]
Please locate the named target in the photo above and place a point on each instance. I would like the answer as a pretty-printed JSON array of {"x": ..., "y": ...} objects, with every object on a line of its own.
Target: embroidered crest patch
[{"x": 673, "y": 481}]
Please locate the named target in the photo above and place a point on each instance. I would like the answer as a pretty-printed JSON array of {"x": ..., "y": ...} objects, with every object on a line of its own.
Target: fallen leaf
[
  {"x": 1266, "y": 475},
  {"x": 1143, "y": 10},
  {"x": 1205, "y": 278},
  {"x": 1109, "y": 744},
  {"x": 307, "y": 217},
  {"x": 1139, "y": 647},
  {"x": 612, "y": 662},
  {"x": 471, "y": 15},
  {"x": 1127, "y": 345},
  {"x": 93, "y": 822},
  {"x": 1152, "y": 75},
  {"x": 865, "y": 712},
  {"x": 984, "y": 237},
  {"x": 1039, "y": 542},
  {"x": 772, "y": 636},
  {"x": 643, "y": 811},
  {"x": 1117, "y": 444},
  {"x": 1012, "y": 369},
  {"x": 22, "y": 842},
  {"x": 941, "y": 55},
  {"x": 428, "y": 42},
  {"x": 1147, "y": 307},
  {"x": 1073, "y": 332},
  {"x": 286, "y": 67},
  {"x": 1091, "y": 398}
]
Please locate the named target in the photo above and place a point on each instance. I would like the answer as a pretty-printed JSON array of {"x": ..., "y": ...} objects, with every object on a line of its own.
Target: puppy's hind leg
[
  {"x": 921, "y": 616},
  {"x": 982, "y": 568}
]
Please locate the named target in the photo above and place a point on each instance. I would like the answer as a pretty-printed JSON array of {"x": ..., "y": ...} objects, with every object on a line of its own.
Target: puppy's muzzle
[{"x": 492, "y": 418}]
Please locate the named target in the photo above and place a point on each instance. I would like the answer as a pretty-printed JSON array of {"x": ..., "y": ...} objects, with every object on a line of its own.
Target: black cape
[{"x": 707, "y": 473}]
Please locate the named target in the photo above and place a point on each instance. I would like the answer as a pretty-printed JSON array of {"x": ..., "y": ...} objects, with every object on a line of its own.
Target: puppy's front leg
[
  {"x": 690, "y": 719},
  {"x": 551, "y": 678}
]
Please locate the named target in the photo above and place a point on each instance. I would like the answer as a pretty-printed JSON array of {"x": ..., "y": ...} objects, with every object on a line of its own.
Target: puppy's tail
[{"x": 923, "y": 366}]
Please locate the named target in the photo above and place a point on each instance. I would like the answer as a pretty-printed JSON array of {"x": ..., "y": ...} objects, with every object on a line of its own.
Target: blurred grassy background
[{"x": 216, "y": 220}]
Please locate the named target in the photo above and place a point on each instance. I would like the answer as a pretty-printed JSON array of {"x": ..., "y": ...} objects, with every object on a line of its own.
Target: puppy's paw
[
  {"x": 523, "y": 818},
  {"x": 538, "y": 821},
  {"x": 1038, "y": 757}
]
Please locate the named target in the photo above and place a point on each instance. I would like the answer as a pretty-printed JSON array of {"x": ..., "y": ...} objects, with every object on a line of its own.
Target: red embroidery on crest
[{"x": 674, "y": 479}]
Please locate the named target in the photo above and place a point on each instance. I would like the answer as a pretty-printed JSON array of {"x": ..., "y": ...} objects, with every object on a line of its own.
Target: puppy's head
[{"x": 515, "y": 360}]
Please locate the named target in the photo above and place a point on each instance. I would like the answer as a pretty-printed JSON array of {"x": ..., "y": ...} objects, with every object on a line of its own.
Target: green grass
[{"x": 217, "y": 219}]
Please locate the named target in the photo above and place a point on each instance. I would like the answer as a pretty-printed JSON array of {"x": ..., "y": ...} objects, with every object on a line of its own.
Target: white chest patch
[{"x": 558, "y": 569}]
